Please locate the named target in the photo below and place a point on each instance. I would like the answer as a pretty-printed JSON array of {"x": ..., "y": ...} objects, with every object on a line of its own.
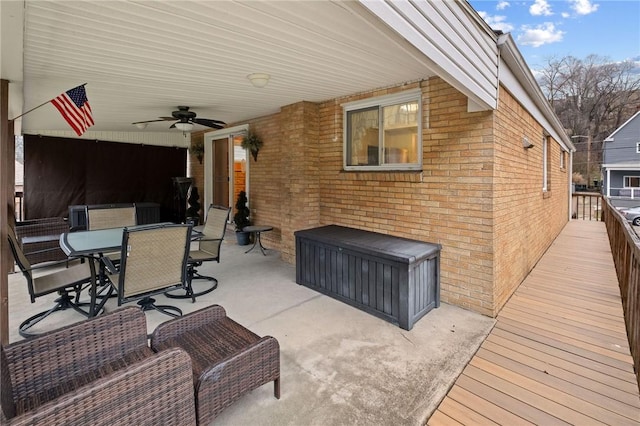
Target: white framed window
[
  {"x": 384, "y": 133},
  {"x": 563, "y": 160},
  {"x": 638, "y": 148},
  {"x": 632, "y": 181},
  {"x": 545, "y": 164}
]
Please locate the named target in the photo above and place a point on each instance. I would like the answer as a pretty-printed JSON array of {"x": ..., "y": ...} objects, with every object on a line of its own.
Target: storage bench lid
[{"x": 371, "y": 243}]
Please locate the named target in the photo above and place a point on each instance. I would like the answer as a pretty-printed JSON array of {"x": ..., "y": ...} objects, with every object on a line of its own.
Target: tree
[{"x": 592, "y": 97}]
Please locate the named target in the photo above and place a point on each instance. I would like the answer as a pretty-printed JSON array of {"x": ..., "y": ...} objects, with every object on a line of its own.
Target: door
[
  {"x": 226, "y": 169},
  {"x": 221, "y": 172}
]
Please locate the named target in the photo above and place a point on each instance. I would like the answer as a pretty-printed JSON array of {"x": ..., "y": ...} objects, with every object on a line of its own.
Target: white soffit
[{"x": 142, "y": 59}]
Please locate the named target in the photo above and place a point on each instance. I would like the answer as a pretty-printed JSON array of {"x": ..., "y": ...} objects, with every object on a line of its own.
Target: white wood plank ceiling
[{"x": 141, "y": 59}]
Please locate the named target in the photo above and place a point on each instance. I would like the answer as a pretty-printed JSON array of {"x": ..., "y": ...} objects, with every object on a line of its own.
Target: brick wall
[
  {"x": 526, "y": 219},
  {"x": 479, "y": 194}
]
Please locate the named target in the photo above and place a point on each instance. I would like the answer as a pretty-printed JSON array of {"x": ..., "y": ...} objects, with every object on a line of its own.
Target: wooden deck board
[{"x": 559, "y": 352}]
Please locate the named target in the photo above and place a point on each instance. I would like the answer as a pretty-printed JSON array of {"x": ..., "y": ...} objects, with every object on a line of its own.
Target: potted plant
[
  {"x": 253, "y": 143},
  {"x": 193, "y": 212},
  {"x": 197, "y": 149},
  {"x": 241, "y": 219}
]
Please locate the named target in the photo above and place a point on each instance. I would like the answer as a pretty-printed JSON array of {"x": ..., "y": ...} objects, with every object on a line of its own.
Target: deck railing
[
  {"x": 625, "y": 247},
  {"x": 586, "y": 206}
]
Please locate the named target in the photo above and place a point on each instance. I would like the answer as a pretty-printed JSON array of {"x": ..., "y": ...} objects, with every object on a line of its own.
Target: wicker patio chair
[
  {"x": 208, "y": 250},
  {"x": 228, "y": 359},
  {"x": 100, "y": 371},
  {"x": 66, "y": 281},
  {"x": 153, "y": 260}
]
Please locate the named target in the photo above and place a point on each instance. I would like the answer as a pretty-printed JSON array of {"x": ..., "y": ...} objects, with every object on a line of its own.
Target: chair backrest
[
  {"x": 104, "y": 217},
  {"x": 18, "y": 254},
  {"x": 153, "y": 259},
  {"x": 216, "y": 222},
  {"x": 214, "y": 229},
  {"x": 21, "y": 260}
]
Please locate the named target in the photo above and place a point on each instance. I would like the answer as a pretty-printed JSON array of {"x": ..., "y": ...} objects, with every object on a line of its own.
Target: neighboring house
[
  {"x": 621, "y": 163},
  {"x": 470, "y": 156}
]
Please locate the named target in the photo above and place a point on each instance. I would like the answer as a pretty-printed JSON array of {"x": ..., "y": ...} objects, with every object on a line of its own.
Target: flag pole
[{"x": 42, "y": 104}]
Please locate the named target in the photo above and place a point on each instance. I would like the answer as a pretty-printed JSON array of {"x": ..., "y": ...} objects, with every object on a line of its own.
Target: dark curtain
[{"x": 60, "y": 172}]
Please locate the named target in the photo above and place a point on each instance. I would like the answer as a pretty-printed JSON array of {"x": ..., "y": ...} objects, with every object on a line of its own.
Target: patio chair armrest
[
  {"x": 50, "y": 263},
  {"x": 109, "y": 265},
  {"x": 178, "y": 326},
  {"x": 157, "y": 390}
]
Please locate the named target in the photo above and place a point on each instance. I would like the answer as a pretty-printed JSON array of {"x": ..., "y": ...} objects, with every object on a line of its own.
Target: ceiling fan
[{"x": 186, "y": 120}]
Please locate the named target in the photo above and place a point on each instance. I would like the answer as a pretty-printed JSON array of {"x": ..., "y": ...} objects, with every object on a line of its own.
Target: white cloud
[
  {"x": 540, "y": 35},
  {"x": 502, "y": 4},
  {"x": 497, "y": 22},
  {"x": 541, "y": 7},
  {"x": 566, "y": 15},
  {"x": 584, "y": 7}
]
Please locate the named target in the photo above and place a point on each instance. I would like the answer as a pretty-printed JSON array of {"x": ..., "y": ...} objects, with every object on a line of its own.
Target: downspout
[{"x": 570, "y": 175}]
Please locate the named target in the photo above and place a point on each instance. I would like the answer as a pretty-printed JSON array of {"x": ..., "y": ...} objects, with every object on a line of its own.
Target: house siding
[
  {"x": 479, "y": 194},
  {"x": 622, "y": 149}
]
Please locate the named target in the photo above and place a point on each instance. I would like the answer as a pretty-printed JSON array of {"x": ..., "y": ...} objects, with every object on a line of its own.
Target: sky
[{"x": 543, "y": 29}]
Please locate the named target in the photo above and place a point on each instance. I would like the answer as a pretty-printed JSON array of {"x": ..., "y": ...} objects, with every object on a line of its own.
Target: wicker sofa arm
[
  {"x": 178, "y": 326},
  {"x": 38, "y": 238},
  {"x": 156, "y": 390},
  {"x": 59, "y": 360},
  {"x": 40, "y": 227}
]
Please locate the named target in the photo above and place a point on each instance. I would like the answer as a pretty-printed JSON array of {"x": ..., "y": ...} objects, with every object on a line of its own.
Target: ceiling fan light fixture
[
  {"x": 185, "y": 127},
  {"x": 259, "y": 79}
]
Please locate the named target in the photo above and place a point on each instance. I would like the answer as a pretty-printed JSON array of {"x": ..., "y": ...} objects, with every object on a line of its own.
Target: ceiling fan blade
[
  {"x": 173, "y": 126},
  {"x": 215, "y": 124},
  {"x": 148, "y": 121},
  {"x": 168, "y": 118}
]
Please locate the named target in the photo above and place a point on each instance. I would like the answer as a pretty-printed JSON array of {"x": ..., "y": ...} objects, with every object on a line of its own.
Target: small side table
[{"x": 257, "y": 230}]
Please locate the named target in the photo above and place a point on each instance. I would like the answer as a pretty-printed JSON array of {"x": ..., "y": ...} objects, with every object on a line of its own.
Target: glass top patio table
[{"x": 85, "y": 243}]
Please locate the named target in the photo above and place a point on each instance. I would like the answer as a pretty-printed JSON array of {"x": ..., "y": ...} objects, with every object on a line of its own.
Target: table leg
[
  {"x": 257, "y": 241},
  {"x": 94, "y": 287}
]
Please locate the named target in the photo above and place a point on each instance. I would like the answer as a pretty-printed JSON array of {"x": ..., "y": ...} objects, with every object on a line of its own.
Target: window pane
[
  {"x": 362, "y": 137},
  {"x": 400, "y": 136},
  {"x": 632, "y": 182}
]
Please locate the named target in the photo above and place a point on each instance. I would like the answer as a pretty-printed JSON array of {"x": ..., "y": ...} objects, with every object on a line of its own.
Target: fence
[
  {"x": 586, "y": 206},
  {"x": 625, "y": 247}
]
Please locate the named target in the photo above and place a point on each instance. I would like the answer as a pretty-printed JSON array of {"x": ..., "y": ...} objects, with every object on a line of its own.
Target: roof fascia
[{"x": 611, "y": 136}]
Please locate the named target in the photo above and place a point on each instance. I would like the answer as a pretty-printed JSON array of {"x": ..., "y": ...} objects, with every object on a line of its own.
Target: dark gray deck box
[{"x": 394, "y": 278}]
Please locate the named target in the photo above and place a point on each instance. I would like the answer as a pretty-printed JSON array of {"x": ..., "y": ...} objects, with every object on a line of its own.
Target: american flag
[{"x": 74, "y": 107}]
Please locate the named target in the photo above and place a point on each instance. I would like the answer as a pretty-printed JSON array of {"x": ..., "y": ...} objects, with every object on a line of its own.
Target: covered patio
[
  {"x": 342, "y": 366},
  {"x": 339, "y": 365}
]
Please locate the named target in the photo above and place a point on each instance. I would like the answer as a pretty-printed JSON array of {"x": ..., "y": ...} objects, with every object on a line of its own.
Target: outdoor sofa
[{"x": 101, "y": 371}]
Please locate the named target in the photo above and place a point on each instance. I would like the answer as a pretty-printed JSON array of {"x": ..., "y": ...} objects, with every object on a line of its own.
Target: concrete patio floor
[{"x": 339, "y": 365}]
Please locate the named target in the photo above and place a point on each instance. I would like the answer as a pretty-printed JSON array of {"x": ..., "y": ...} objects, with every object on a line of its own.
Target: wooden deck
[{"x": 559, "y": 352}]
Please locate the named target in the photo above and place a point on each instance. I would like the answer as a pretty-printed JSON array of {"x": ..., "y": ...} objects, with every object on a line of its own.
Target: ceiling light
[
  {"x": 185, "y": 127},
  {"x": 259, "y": 79},
  {"x": 141, "y": 125}
]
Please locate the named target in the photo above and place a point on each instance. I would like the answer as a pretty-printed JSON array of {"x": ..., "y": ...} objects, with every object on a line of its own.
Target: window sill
[{"x": 414, "y": 176}]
